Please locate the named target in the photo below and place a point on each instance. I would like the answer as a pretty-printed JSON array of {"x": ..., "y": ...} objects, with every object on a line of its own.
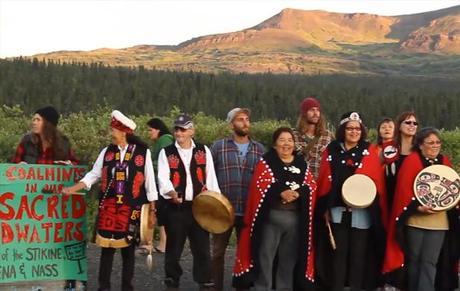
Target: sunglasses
[
  {"x": 409, "y": 122},
  {"x": 180, "y": 129}
]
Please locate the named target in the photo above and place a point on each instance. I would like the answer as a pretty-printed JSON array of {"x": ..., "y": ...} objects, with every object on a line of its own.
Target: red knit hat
[{"x": 309, "y": 103}]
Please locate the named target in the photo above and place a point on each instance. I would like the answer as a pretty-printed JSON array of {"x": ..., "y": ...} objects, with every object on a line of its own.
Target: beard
[
  {"x": 313, "y": 120},
  {"x": 241, "y": 131}
]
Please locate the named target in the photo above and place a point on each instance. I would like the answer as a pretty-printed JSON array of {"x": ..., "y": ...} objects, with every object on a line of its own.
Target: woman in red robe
[
  {"x": 421, "y": 254},
  {"x": 359, "y": 232},
  {"x": 277, "y": 220}
]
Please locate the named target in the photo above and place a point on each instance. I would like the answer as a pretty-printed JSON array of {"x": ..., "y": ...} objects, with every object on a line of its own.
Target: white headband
[{"x": 354, "y": 116}]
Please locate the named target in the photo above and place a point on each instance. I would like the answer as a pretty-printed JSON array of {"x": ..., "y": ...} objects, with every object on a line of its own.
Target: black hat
[
  {"x": 49, "y": 113},
  {"x": 183, "y": 121}
]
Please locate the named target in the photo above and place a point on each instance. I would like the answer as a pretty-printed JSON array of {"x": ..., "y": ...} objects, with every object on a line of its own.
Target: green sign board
[{"x": 43, "y": 232}]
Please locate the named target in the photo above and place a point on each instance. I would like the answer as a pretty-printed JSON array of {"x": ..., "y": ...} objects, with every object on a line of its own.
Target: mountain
[{"x": 307, "y": 42}]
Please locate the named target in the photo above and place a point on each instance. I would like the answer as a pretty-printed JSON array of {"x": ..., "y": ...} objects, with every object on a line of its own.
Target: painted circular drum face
[
  {"x": 213, "y": 212},
  {"x": 358, "y": 191},
  {"x": 437, "y": 186}
]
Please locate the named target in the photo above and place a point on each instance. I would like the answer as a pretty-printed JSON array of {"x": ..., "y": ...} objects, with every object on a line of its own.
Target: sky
[{"x": 29, "y": 27}]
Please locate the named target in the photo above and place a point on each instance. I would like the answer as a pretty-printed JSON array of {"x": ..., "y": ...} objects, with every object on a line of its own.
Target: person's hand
[
  {"x": 175, "y": 197},
  {"x": 67, "y": 190},
  {"x": 426, "y": 209},
  {"x": 289, "y": 196},
  {"x": 73, "y": 189},
  {"x": 61, "y": 162},
  {"x": 327, "y": 217}
]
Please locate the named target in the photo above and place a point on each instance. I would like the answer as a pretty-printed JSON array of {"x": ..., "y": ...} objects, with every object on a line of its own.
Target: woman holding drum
[
  {"x": 277, "y": 219},
  {"x": 424, "y": 231},
  {"x": 352, "y": 203}
]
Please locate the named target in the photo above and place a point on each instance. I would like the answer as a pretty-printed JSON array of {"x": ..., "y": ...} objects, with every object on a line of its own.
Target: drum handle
[{"x": 331, "y": 236}]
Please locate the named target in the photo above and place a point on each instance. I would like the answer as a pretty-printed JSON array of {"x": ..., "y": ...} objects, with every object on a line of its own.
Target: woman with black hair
[
  {"x": 277, "y": 219},
  {"x": 359, "y": 232},
  {"x": 127, "y": 182}
]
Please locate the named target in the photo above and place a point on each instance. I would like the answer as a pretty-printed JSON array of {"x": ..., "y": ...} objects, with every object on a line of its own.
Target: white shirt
[
  {"x": 165, "y": 183},
  {"x": 94, "y": 175}
]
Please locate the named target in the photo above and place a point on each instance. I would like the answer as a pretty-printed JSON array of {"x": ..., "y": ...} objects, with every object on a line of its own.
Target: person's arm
[
  {"x": 211, "y": 178},
  {"x": 90, "y": 178},
  {"x": 19, "y": 154},
  {"x": 213, "y": 150},
  {"x": 150, "y": 185},
  {"x": 150, "y": 188},
  {"x": 164, "y": 183}
]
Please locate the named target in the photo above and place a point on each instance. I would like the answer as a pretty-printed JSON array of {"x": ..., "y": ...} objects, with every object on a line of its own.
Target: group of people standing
[{"x": 293, "y": 229}]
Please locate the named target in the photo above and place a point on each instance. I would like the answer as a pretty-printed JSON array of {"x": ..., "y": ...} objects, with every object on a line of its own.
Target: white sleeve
[
  {"x": 211, "y": 178},
  {"x": 164, "y": 182},
  {"x": 150, "y": 185},
  {"x": 94, "y": 175}
]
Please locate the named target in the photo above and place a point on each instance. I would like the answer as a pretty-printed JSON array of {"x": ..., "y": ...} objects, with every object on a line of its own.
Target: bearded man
[{"x": 234, "y": 159}]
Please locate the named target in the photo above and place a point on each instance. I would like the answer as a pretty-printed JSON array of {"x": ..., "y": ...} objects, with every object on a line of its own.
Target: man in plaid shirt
[
  {"x": 311, "y": 139},
  {"x": 311, "y": 135},
  {"x": 234, "y": 160}
]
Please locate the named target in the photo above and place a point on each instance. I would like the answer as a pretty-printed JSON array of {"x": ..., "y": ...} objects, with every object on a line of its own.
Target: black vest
[
  {"x": 178, "y": 174},
  {"x": 32, "y": 150},
  {"x": 135, "y": 193},
  {"x": 119, "y": 213}
]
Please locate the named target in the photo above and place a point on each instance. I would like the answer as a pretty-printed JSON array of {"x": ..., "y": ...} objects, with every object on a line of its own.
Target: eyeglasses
[
  {"x": 353, "y": 128},
  {"x": 432, "y": 143},
  {"x": 180, "y": 129},
  {"x": 409, "y": 122}
]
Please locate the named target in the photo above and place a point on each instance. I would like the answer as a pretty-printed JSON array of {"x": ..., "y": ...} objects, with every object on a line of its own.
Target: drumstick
[{"x": 331, "y": 236}]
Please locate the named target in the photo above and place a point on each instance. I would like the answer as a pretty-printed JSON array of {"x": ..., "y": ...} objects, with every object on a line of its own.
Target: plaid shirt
[
  {"x": 234, "y": 177},
  {"x": 313, "y": 157},
  {"x": 44, "y": 157}
]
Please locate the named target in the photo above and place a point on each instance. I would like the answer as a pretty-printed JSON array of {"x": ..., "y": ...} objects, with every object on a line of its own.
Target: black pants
[
  {"x": 349, "y": 259},
  {"x": 219, "y": 247},
  {"x": 105, "y": 268},
  {"x": 179, "y": 226}
]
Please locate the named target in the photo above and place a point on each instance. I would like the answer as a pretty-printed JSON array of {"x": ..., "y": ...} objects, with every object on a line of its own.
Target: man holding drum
[
  {"x": 234, "y": 159},
  {"x": 127, "y": 182},
  {"x": 185, "y": 169}
]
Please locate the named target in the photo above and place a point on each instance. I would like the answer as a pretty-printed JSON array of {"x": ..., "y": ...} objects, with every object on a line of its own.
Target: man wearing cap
[
  {"x": 234, "y": 159},
  {"x": 311, "y": 139},
  {"x": 311, "y": 135},
  {"x": 127, "y": 182},
  {"x": 185, "y": 169}
]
